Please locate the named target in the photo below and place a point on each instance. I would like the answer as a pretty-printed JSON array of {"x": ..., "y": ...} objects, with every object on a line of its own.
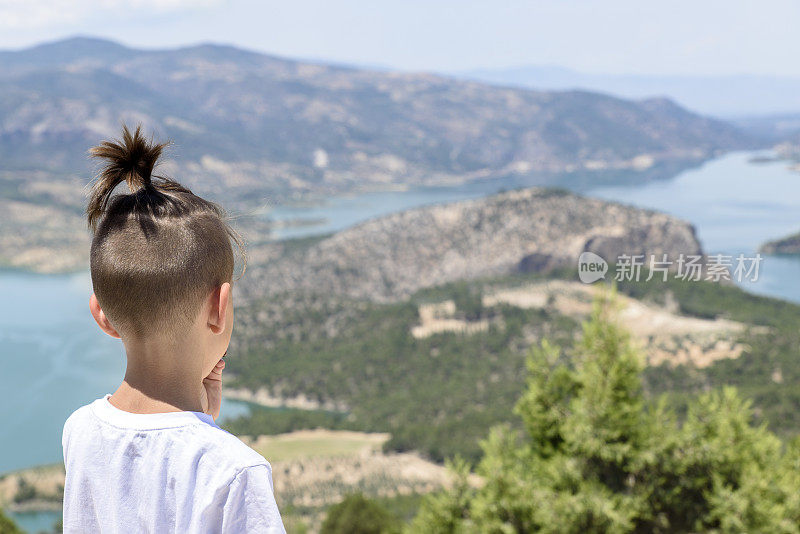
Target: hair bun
[{"x": 130, "y": 159}]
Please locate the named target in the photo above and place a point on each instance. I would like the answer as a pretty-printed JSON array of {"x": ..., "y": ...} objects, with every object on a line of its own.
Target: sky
[{"x": 690, "y": 37}]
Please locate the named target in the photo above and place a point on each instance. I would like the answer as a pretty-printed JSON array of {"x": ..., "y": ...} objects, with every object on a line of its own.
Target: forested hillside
[{"x": 371, "y": 366}]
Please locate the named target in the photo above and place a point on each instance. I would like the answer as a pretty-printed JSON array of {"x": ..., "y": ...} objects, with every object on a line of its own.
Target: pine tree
[
  {"x": 7, "y": 525},
  {"x": 358, "y": 515},
  {"x": 596, "y": 457}
]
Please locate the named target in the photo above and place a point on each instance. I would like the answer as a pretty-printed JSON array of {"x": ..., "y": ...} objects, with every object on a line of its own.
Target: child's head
[{"x": 162, "y": 260}]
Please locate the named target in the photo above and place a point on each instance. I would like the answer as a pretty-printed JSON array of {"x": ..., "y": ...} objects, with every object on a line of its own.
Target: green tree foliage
[
  {"x": 468, "y": 300},
  {"x": 767, "y": 371},
  {"x": 439, "y": 395},
  {"x": 594, "y": 457},
  {"x": 25, "y": 491},
  {"x": 358, "y": 515},
  {"x": 435, "y": 395},
  {"x": 7, "y": 525}
]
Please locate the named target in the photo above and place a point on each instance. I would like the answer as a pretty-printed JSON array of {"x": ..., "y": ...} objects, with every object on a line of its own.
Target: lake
[
  {"x": 735, "y": 207},
  {"x": 56, "y": 359}
]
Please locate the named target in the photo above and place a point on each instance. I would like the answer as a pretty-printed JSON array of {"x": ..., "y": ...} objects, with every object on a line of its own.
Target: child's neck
[
  {"x": 161, "y": 378},
  {"x": 129, "y": 398}
]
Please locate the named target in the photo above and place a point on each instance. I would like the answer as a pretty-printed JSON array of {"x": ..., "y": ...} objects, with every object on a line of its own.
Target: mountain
[
  {"x": 721, "y": 96},
  {"x": 244, "y": 119},
  {"x": 772, "y": 128},
  {"x": 534, "y": 229},
  {"x": 251, "y": 130}
]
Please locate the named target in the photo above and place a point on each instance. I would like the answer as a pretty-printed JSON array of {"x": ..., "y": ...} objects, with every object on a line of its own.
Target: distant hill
[
  {"x": 772, "y": 128},
  {"x": 787, "y": 245},
  {"x": 721, "y": 96},
  {"x": 528, "y": 230}
]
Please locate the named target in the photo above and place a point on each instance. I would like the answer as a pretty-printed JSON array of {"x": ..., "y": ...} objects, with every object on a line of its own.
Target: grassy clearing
[{"x": 317, "y": 444}]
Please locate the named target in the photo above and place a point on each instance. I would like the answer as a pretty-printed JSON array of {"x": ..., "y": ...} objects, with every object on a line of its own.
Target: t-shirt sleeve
[
  {"x": 251, "y": 505},
  {"x": 65, "y": 434}
]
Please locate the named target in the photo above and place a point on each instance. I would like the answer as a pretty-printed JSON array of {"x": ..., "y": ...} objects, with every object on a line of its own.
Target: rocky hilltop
[
  {"x": 786, "y": 245},
  {"x": 535, "y": 229}
]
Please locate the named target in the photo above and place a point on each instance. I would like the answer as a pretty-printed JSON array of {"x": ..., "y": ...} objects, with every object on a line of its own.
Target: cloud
[{"x": 26, "y": 14}]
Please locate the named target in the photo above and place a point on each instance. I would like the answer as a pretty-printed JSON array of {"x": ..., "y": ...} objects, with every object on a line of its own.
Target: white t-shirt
[{"x": 165, "y": 472}]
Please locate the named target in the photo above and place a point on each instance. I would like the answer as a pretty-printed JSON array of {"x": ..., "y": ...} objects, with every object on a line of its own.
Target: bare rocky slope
[{"x": 534, "y": 229}]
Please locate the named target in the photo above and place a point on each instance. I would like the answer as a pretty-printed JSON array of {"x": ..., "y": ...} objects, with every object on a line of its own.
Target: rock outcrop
[
  {"x": 536, "y": 229},
  {"x": 786, "y": 245}
]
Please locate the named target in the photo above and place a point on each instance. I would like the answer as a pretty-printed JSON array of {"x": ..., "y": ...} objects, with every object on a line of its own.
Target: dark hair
[{"x": 158, "y": 251}]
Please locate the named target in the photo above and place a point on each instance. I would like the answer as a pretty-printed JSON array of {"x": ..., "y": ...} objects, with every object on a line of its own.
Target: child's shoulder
[
  {"x": 78, "y": 415},
  {"x": 227, "y": 450}
]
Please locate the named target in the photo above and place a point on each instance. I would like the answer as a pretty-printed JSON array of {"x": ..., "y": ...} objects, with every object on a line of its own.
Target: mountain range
[
  {"x": 250, "y": 130},
  {"x": 300, "y": 125},
  {"x": 730, "y": 96}
]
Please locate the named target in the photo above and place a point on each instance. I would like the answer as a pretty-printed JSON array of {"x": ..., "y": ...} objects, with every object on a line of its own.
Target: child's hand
[{"x": 213, "y": 385}]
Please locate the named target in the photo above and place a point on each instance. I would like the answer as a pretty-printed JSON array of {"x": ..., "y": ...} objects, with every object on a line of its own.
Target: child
[{"x": 150, "y": 458}]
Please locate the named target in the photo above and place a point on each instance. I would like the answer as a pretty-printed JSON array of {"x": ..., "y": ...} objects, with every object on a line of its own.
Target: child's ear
[
  {"x": 100, "y": 317},
  {"x": 218, "y": 315}
]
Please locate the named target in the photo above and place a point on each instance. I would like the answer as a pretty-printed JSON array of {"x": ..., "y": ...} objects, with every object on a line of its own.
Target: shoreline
[
  {"x": 38, "y": 488},
  {"x": 264, "y": 398},
  {"x": 33, "y": 271}
]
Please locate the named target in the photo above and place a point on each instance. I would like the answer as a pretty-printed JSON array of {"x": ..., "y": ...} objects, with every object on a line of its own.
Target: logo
[{"x": 591, "y": 267}]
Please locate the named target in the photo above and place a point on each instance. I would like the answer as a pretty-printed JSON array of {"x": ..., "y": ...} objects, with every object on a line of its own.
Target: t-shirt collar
[{"x": 112, "y": 415}]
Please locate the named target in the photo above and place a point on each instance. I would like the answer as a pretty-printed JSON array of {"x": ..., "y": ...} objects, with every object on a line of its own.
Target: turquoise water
[
  {"x": 34, "y": 522},
  {"x": 735, "y": 207},
  {"x": 340, "y": 212}
]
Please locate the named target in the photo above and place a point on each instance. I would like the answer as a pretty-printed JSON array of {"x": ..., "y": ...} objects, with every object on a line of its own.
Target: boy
[{"x": 150, "y": 458}]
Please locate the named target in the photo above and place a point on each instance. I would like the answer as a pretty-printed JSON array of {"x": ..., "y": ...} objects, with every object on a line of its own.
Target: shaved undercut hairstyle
[{"x": 158, "y": 251}]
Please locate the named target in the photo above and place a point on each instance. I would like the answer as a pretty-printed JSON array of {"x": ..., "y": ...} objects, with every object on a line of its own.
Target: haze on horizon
[{"x": 611, "y": 37}]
